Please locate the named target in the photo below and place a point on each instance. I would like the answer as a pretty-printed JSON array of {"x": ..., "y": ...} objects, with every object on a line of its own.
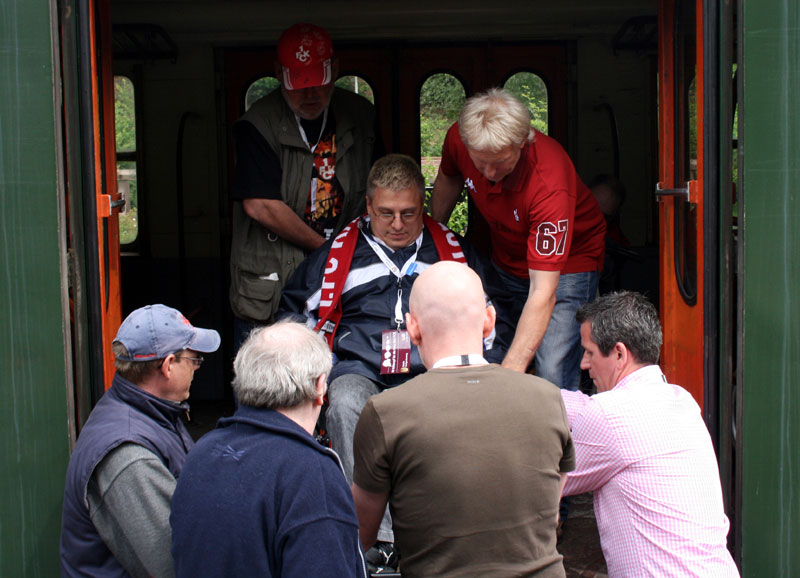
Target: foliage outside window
[
  {"x": 267, "y": 84},
  {"x": 260, "y": 88},
  {"x": 531, "y": 90},
  {"x": 440, "y": 100},
  {"x": 125, "y": 128},
  {"x": 358, "y": 85}
]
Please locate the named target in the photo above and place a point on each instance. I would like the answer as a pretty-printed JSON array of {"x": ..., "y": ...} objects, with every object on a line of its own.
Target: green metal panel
[
  {"x": 769, "y": 45},
  {"x": 34, "y": 447}
]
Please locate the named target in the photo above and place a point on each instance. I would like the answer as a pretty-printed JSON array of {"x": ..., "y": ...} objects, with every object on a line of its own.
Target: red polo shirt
[{"x": 541, "y": 216}]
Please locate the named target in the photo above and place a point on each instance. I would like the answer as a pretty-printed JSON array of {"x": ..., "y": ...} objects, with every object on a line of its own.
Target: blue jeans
[
  {"x": 347, "y": 395},
  {"x": 558, "y": 358}
]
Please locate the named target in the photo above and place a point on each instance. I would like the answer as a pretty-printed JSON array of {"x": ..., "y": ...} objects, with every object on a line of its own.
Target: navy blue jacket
[
  {"x": 125, "y": 413},
  {"x": 260, "y": 497},
  {"x": 368, "y": 305}
]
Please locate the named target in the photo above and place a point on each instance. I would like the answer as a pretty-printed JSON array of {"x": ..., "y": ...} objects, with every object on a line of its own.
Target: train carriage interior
[{"x": 185, "y": 71}]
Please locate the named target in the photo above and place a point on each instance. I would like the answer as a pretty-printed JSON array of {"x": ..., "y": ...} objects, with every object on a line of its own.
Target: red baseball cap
[{"x": 304, "y": 52}]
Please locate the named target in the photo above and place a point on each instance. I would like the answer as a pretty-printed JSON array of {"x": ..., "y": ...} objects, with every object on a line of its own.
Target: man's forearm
[
  {"x": 445, "y": 194},
  {"x": 530, "y": 332},
  {"x": 283, "y": 221},
  {"x": 369, "y": 509}
]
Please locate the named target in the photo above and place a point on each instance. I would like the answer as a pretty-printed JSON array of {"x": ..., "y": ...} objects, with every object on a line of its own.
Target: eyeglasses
[
  {"x": 196, "y": 360},
  {"x": 405, "y": 216}
]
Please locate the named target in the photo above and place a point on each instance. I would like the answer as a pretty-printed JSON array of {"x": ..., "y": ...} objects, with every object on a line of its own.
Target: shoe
[{"x": 382, "y": 558}]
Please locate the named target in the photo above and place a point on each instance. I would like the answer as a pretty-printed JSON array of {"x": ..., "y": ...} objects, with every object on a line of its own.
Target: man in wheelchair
[{"x": 354, "y": 290}]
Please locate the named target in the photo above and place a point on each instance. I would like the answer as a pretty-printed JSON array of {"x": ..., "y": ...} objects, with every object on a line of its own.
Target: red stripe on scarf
[{"x": 340, "y": 257}]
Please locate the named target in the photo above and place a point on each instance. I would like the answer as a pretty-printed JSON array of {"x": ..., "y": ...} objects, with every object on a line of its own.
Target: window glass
[
  {"x": 261, "y": 87},
  {"x": 685, "y": 224},
  {"x": 267, "y": 84},
  {"x": 358, "y": 85},
  {"x": 125, "y": 127},
  {"x": 440, "y": 100},
  {"x": 735, "y": 134},
  {"x": 530, "y": 89}
]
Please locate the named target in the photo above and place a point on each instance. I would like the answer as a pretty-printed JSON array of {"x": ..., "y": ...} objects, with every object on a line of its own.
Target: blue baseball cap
[{"x": 155, "y": 331}]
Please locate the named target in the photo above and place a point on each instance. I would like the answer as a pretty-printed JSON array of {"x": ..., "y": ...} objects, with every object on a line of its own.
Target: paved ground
[{"x": 580, "y": 544}]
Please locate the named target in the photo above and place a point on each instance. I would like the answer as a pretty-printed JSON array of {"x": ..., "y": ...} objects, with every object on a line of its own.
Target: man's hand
[
  {"x": 276, "y": 216},
  {"x": 534, "y": 319}
]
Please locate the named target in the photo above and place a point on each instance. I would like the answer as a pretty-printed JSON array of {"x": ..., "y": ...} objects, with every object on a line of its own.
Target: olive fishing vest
[{"x": 261, "y": 262}]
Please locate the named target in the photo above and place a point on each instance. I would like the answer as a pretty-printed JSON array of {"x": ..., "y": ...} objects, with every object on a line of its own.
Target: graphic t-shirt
[{"x": 258, "y": 171}]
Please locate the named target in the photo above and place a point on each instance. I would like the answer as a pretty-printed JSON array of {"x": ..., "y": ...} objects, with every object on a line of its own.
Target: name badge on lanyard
[
  {"x": 395, "y": 351},
  {"x": 396, "y": 343}
]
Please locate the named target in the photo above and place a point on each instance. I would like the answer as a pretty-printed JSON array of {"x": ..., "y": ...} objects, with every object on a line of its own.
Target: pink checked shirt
[{"x": 644, "y": 451}]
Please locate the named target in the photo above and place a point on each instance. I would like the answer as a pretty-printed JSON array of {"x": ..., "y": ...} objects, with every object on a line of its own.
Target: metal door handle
[
  {"x": 119, "y": 202},
  {"x": 672, "y": 192},
  {"x": 688, "y": 193}
]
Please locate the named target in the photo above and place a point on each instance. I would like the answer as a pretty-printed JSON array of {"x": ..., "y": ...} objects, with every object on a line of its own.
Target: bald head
[{"x": 448, "y": 313}]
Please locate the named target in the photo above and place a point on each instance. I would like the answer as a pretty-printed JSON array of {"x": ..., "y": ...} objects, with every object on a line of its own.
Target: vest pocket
[{"x": 256, "y": 296}]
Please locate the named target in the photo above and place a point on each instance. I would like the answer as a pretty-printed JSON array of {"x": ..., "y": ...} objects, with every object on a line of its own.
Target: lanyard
[
  {"x": 303, "y": 135},
  {"x": 312, "y": 148},
  {"x": 454, "y": 360},
  {"x": 407, "y": 269}
]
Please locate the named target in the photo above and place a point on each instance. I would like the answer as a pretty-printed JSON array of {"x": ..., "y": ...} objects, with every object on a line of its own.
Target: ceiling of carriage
[{"x": 258, "y": 22}]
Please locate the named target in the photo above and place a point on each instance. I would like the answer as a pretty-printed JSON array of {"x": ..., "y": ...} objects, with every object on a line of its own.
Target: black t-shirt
[{"x": 258, "y": 171}]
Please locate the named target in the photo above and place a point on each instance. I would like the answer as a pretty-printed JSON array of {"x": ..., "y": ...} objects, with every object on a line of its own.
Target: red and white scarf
[{"x": 340, "y": 257}]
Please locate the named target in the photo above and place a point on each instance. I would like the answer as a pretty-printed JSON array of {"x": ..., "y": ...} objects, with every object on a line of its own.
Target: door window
[{"x": 125, "y": 126}]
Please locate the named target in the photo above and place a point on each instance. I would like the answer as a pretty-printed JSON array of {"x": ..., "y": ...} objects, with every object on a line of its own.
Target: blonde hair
[{"x": 493, "y": 120}]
